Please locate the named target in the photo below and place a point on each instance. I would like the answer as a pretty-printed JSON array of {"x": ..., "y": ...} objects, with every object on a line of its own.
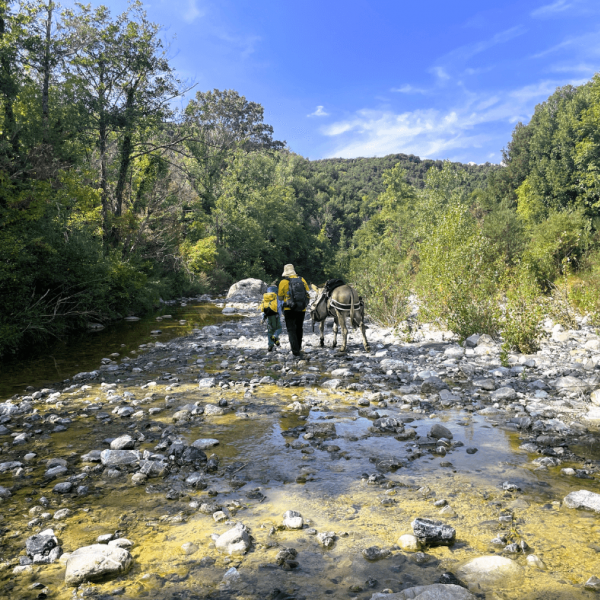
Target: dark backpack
[{"x": 298, "y": 296}]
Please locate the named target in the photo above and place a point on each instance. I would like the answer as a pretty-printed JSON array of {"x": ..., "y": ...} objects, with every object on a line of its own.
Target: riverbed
[{"x": 363, "y": 485}]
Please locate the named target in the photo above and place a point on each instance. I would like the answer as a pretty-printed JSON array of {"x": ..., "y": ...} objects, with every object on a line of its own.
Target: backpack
[
  {"x": 298, "y": 297},
  {"x": 269, "y": 304}
]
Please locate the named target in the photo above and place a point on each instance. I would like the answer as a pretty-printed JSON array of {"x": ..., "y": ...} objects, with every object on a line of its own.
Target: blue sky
[{"x": 354, "y": 78}]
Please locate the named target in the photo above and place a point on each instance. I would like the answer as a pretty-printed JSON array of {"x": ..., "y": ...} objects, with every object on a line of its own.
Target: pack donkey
[{"x": 339, "y": 303}]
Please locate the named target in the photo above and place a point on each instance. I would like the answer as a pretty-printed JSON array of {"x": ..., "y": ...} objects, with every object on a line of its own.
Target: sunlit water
[{"x": 333, "y": 497}]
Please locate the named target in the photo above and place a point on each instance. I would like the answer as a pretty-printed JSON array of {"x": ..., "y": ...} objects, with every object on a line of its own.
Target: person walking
[
  {"x": 293, "y": 292},
  {"x": 272, "y": 310}
]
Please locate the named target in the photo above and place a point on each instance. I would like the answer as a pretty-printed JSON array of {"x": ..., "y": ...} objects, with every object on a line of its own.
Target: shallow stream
[{"x": 261, "y": 476}]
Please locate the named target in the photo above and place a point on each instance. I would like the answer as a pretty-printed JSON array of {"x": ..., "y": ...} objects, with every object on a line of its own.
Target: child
[{"x": 271, "y": 309}]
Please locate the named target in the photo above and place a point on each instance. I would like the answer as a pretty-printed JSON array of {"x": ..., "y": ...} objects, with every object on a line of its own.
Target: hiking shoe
[
  {"x": 270, "y": 349},
  {"x": 276, "y": 340}
]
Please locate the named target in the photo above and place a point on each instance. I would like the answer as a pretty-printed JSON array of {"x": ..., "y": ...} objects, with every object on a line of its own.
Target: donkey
[{"x": 343, "y": 301}]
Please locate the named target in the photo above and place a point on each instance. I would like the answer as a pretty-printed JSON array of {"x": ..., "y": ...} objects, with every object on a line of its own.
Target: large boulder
[
  {"x": 252, "y": 289},
  {"x": 490, "y": 572},
  {"x": 96, "y": 562},
  {"x": 583, "y": 499},
  {"x": 437, "y": 591}
]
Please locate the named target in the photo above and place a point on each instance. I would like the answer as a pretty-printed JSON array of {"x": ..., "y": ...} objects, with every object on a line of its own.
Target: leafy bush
[{"x": 523, "y": 313}]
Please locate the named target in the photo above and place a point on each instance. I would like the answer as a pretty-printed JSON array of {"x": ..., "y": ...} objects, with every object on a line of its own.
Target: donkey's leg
[
  {"x": 364, "y": 335},
  {"x": 335, "y": 331},
  {"x": 342, "y": 321},
  {"x": 322, "y": 332}
]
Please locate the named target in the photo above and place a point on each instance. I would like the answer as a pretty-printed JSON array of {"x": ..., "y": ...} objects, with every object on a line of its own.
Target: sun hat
[{"x": 289, "y": 271}]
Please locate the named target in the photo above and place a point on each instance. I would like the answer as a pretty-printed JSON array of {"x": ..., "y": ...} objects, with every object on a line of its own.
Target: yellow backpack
[{"x": 269, "y": 304}]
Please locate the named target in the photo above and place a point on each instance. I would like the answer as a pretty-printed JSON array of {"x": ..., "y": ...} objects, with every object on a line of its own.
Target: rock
[
  {"x": 454, "y": 352},
  {"x": 55, "y": 472},
  {"x": 472, "y": 340},
  {"x": 535, "y": 562},
  {"x": 9, "y": 466},
  {"x": 153, "y": 468},
  {"x": 63, "y": 488},
  {"x": 322, "y": 430},
  {"x": 503, "y": 394},
  {"x": 234, "y": 541},
  {"x": 121, "y": 543},
  {"x": 114, "y": 458},
  {"x": 293, "y": 520},
  {"x": 41, "y": 544},
  {"x": 189, "y": 548},
  {"x": 332, "y": 384},
  {"x": 375, "y": 553},
  {"x": 63, "y": 513},
  {"x": 229, "y": 310},
  {"x": 95, "y": 563},
  {"x": 572, "y": 384},
  {"x": 248, "y": 288},
  {"x": 436, "y": 591},
  {"x": 439, "y": 431},
  {"x": 595, "y": 397},
  {"x": 490, "y": 572},
  {"x": 124, "y": 442},
  {"x": 213, "y": 410},
  {"x": 409, "y": 543},
  {"x": 5, "y": 492},
  {"x": 326, "y": 538},
  {"x": 205, "y": 443},
  {"x": 485, "y": 384},
  {"x": 583, "y": 499},
  {"x": 433, "y": 533},
  {"x": 432, "y": 385},
  {"x": 207, "y": 382},
  {"x": 592, "y": 584},
  {"x": 139, "y": 478}
]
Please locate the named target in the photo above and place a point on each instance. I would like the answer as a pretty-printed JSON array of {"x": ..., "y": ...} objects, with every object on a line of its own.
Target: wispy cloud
[
  {"x": 192, "y": 11},
  {"x": 440, "y": 73},
  {"x": 319, "y": 112},
  {"x": 245, "y": 43},
  {"x": 409, "y": 89},
  {"x": 432, "y": 132},
  {"x": 549, "y": 10}
]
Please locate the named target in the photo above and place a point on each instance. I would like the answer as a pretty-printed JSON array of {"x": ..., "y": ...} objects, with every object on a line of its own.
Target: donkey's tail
[{"x": 352, "y": 309}]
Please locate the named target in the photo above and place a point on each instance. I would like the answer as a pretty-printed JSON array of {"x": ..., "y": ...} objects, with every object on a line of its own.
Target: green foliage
[{"x": 524, "y": 311}]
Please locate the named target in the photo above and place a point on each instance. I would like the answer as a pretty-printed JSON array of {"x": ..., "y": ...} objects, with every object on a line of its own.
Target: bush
[{"x": 523, "y": 313}]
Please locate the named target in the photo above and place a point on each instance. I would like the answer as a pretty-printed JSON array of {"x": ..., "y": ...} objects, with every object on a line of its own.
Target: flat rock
[
  {"x": 95, "y": 563},
  {"x": 433, "y": 385},
  {"x": 436, "y": 591},
  {"x": 332, "y": 384},
  {"x": 583, "y": 499},
  {"x": 503, "y": 393},
  {"x": 207, "y": 382},
  {"x": 205, "y": 443},
  {"x": 113, "y": 458},
  {"x": 123, "y": 442},
  {"x": 485, "y": 384},
  {"x": 572, "y": 384},
  {"x": 490, "y": 572},
  {"x": 214, "y": 410}
]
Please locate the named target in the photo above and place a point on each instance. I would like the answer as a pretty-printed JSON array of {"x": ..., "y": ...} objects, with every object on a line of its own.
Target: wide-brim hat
[{"x": 289, "y": 271}]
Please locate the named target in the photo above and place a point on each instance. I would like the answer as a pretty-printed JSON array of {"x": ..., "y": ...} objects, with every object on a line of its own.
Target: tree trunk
[
  {"x": 102, "y": 138},
  {"x": 126, "y": 151},
  {"x": 8, "y": 90}
]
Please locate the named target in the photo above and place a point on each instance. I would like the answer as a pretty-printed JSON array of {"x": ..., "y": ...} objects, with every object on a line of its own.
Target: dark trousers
[{"x": 294, "y": 322}]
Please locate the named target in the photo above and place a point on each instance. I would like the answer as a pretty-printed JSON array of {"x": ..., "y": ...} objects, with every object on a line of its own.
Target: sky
[{"x": 438, "y": 79}]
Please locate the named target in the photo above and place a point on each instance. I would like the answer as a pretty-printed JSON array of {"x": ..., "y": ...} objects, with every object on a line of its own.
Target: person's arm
[{"x": 282, "y": 291}]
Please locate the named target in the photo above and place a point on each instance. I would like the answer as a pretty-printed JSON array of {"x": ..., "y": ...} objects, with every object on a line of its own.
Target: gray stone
[
  {"x": 433, "y": 533},
  {"x": 583, "y": 499},
  {"x": 207, "y": 382},
  {"x": 436, "y": 591},
  {"x": 374, "y": 553},
  {"x": 114, "y": 458},
  {"x": 41, "y": 543},
  {"x": 55, "y": 472},
  {"x": 95, "y": 563},
  {"x": 322, "y": 430},
  {"x": 326, "y": 538},
  {"x": 433, "y": 385},
  {"x": 503, "y": 394},
  {"x": 123, "y": 442},
  {"x": 490, "y": 572},
  {"x": 485, "y": 384},
  {"x": 5, "y": 492},
  {"x": 439, "y": 431},
  {"x": 213, "y": 410},
  {"x": 248, "y": 288},
  {"x": 153, "y": 468},
  {"x": 9, "y": 466},
  {"x": 234, "y": 541},
  {"x": 332, "y": 384},
  {"x": 472, "y": 340},
  {"x": 63, "y": 488},
  {"x": 573, "y": 384},
  {"x": 205, "y": 443}
]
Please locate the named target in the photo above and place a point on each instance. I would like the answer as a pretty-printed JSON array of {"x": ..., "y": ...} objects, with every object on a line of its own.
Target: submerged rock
[
  {"x": 96, "y": 562},
  {"x": 436, "y": 591},
  {"x": 234, "y": 541},
  {"x": 490, "y": 572}
]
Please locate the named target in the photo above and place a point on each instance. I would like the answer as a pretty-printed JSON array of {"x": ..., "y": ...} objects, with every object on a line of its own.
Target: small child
[{"x": 271, "y": 309}]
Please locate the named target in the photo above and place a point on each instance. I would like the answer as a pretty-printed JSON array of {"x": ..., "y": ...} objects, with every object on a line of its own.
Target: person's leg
[
  {"x": 300, "y": 328},
  {"x": 290, "y": 323},
  {"x": 270, "y": 332}
]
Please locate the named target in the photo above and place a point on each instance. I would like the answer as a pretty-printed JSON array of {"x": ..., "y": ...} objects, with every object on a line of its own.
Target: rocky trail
[{"x": 205, "y": 467}]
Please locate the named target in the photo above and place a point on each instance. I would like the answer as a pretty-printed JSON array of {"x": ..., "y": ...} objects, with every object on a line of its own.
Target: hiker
[
  {"x": 271, "y": 309},
  {"x": 293, "y": 292}
]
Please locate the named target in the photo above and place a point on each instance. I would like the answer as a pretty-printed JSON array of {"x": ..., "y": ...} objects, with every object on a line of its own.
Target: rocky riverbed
[{"x": 205, "y": 467}]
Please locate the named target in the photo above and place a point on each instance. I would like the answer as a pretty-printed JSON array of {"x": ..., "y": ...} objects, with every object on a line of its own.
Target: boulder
[
  {"x": 247, "y": 288},
  {"x": 234, "y": 541},
  {"x": 436, "y": 591},
  {"x": 490, "y": 572},
  {"x": 207, "y": 382},
  {"x": 439, "y": 431},
  {"x": 572, "y": 384},
  {"x": 123, "y": 442},
  {"x": 485, "y": 384},
  {"x": 583, "y": 499},
  {"x": 41, "y": 543},
  {"x": 293, "y": 519},
  {"x": 503, "y": 394},
  {"x": 95, "y": 563},
  {"x": 114, "y": 458},
  {"x": 205, "y": 443},
  {"x": 432, "y": 385}
]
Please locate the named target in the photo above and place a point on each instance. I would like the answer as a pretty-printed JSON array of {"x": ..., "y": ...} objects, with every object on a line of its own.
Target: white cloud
[
  {"x": 440, "y": 73},
  {"x": 245, "y": 43},
  {"x": 549, "y": 10},
  {"x": 409, "y": 89},
  {"x": 192, "y": 11},
  {"x": 319, "y": 112},
  {"x": 435, "y": 133}
]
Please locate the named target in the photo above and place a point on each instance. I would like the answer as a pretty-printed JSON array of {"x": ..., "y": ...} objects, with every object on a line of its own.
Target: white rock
[
  {"x": 234, "y": 541},
  {"x": 409, "y": 543},
  {"x": 487, "y": 572},
  {"x": 207, "y": 382},
  {"x": 454, "y": 352},
  {"x": 248, "y": 288},
  {"x": 595, "y": 397},
  {"x": 205, "y": 443},
  {"x": 583, "y": 499},
  {"x": 572, "y": 384},
  {"x": 92, "y": 563},
  {"x": 293, "y": 520},
  {"x": 332, "y": 384},
  {"x": 504, "y": 393},
  {"x": 535, "y": 562}
]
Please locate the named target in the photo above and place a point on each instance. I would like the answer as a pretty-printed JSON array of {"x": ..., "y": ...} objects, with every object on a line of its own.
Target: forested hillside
[{"x": 111, "y": 198}]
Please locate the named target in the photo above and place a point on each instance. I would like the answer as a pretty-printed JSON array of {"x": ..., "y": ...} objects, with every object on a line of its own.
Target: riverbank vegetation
[{"x": 111, "y": 197}]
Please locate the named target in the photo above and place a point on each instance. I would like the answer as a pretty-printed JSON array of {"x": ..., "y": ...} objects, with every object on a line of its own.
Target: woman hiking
[{"x": 293, "y": 292}]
